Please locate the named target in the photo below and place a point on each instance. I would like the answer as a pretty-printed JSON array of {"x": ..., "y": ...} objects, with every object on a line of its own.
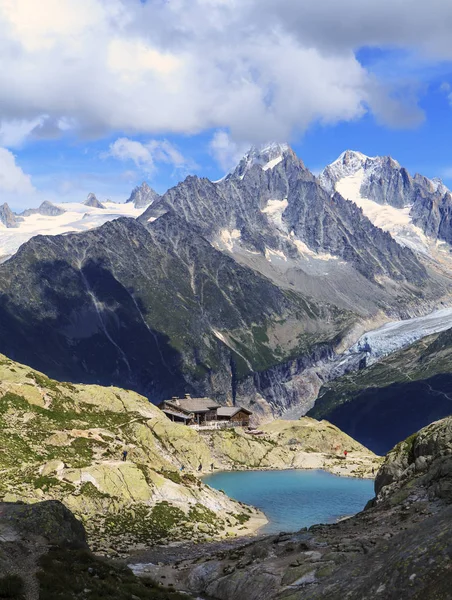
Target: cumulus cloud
[
  {"x": 226, "y": 152},
  {"x": 12, "y": 178},
  {"x": 263, "y": 69},
  {"x": 145, "y": 156}
]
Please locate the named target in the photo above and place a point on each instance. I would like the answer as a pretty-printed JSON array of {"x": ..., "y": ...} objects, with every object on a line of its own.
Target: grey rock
[
  {"x": 92, "y": 201},
  {"x": 7, "y": 217},
  {"x": 46, "y": 208},
  {"x": 326, "y": 225},
  {"x": 143, "y": 196}
]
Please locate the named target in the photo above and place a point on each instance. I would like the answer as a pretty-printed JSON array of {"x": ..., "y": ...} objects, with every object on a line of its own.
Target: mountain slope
[
  {"x": 412, "y": 209},
  {"x": 393, "y": 398},
  {"x": 269, "y": 203},
  {"x": 272, "y": 215},
  {"x": 397, "y": 547},
  {"x": 159, "y": 310}
]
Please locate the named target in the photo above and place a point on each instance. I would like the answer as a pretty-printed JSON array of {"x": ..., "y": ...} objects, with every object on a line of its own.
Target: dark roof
[
  {"x": 174, "y": 413},
  {"x": 230, "y": 411},
  {"x": 171, "y": 405},
  {"x": 196, "y": 405}
]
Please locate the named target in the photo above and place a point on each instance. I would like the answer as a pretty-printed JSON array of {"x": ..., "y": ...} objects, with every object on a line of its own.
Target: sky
[{"x": 100, "y": 95}]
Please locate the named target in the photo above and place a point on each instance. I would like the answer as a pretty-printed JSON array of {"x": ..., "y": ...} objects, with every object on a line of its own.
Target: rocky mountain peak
[
  {"x": 7, "y": 217},
  {"x": 46, "y": 208},
  {"x": 351, "y": 163},
  {"x": 92, "y": 201},
  {"x": 143, "y": 196},
  {"x": 266, "y": 156}
]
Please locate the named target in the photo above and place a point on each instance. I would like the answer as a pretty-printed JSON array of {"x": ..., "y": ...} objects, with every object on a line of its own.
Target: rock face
[
  {"x": 399, "y": 547},
  {"x": 44, "y": 554},
  {"x": 381, "y": 179},
  {"x": 92, "y": 201},
  {"x": 271, "y": 202},
  {"x": 391, "y": 399},
  {"x": 164, "y": 314},
  {"x": 46, "y": 208},
  {"x": 143, "y": 195},
  {"x": 7, "y": 217}
]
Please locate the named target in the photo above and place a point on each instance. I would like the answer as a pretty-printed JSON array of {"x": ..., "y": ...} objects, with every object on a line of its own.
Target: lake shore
[{"x": 355, "y": 464}]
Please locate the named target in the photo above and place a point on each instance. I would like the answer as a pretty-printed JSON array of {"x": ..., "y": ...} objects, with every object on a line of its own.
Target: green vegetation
[{"x": 66, "y": 574}]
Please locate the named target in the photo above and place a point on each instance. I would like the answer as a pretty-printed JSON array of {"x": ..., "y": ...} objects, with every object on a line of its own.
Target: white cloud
[
  {"x": 262, "y": 69},
  {"x": 14, "y": 133},
  {"x": 12, "y": 178},
  {"x": 145, "y": 156},
  {"x": 226, "y": 152}
]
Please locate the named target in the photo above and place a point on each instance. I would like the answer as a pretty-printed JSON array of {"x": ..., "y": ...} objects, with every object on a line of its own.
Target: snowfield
[
  {"x": 397, "y": 221},
  {"x": 77, "y": 218}
]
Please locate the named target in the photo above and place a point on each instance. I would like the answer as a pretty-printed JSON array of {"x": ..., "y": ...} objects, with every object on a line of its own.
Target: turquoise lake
[{"x": 295, "y": 499}]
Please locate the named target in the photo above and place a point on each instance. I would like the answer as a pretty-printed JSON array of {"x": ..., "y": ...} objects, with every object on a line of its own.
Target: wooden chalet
[
  {"x": 203, "y": 411},
  {"x": 236, "y": 414}
]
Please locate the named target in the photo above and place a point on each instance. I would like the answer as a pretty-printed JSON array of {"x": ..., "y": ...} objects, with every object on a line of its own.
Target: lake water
[{"x": 295, "y": 499}]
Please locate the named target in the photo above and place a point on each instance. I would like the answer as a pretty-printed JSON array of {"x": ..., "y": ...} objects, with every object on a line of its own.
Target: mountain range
[{"x": 236, "y": 289}]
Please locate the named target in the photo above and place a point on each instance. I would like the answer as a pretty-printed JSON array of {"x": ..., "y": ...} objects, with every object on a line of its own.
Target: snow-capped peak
[
  {"x": 261, "y": 155},
  {"x": 267, "y": 156},
  {"x": 351, "y": 156},
  {"x": 352, "y": 162}
]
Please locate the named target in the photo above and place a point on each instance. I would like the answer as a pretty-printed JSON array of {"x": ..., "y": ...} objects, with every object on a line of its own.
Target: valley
[
  {"x": 254, "y": 289},
  {"x": 225, "y": 300}
]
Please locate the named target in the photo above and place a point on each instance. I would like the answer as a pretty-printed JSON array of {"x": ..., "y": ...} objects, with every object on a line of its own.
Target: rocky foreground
[
  {"x": 65, "y": 442},
  {"x": 399, "y": 547},
  {"x": 44, "y": 556}
]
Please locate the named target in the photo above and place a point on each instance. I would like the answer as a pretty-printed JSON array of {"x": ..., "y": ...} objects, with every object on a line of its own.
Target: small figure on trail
[
  {"x": 345, "y": 453},
  {"x": 211, "y": 467},
  {"x": 200, "y": 467},
  {"x": 124, "y": 455},
  {"x": 182, "y": 467}
]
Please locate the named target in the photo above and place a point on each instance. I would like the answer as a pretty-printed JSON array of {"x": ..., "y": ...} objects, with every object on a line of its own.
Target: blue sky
[{"x": 104, "y": 95}]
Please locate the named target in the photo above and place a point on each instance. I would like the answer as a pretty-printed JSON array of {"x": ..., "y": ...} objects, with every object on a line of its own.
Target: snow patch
[
  {"x": 305, "y": 251},
  {"x": 272, "y": 163},
  {"x": 396, "y": 221},
  {"x": 274, "y": 210},
  {"x": 228, "y": 239},
  {"x": 274, "y": 255}
]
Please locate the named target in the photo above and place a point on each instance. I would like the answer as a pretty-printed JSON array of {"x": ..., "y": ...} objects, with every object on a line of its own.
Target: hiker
[
  {"x": 182, "y": 467},
  {"x": 124, "y": 455},
  {"x": 200, "y": 467},
  {"x": 345, "y": 453},
  {"x": 211, "y": 467}
]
